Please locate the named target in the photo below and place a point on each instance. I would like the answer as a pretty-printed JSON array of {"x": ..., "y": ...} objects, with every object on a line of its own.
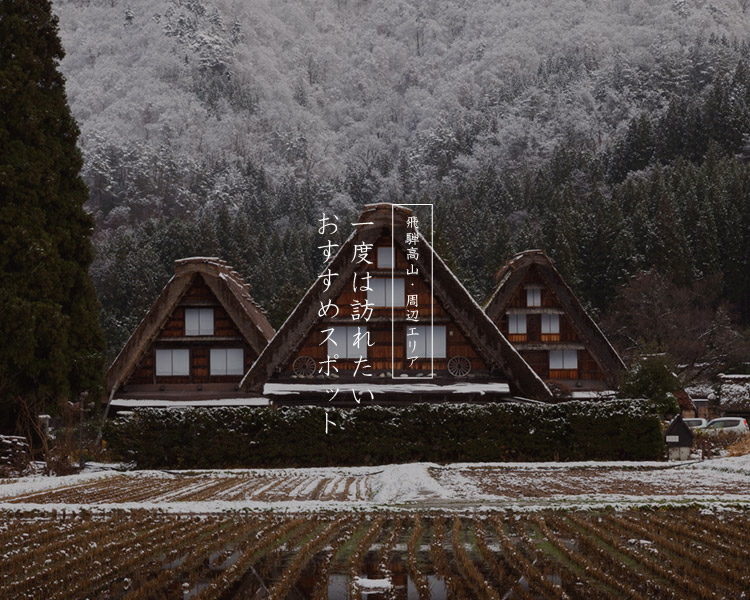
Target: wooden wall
[
  {"x": 538, "y": 359},
  {"x": 223, "y": 324},
  {"x": 379, "y": 325},
  {"x": 173, "y": 335},
  {"x": 534, "y": 330},
  {"x": 588, "y": 369},
  {"x": 379, "y": 355}
]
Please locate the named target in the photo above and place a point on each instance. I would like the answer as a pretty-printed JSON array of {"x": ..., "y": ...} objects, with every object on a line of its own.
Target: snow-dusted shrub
[
  {"x": 295, "y": 436},
  {"x": 733, "y": 396}
]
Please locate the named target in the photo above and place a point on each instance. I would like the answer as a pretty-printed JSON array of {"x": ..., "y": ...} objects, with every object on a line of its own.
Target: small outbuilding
[{"x": 679, "y": 439}]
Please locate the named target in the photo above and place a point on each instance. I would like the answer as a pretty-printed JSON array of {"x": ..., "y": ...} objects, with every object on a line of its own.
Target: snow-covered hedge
[{"x": 296, "y": 436}]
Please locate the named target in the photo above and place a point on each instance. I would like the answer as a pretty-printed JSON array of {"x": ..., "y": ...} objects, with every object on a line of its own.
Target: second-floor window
[
  {"x": 386, "y": 291},
  {"x": 227, "y": 361},
  {"x": 563, "y": 360},
  {"x": 172, "y": 362},
  {"x": 550, "y": 328},
  {"x": 199, "y": 321},
  {"x": 517, "y": 328},
  {"x": 348, "y": 342},
  {"x": 424, "y": 341}
]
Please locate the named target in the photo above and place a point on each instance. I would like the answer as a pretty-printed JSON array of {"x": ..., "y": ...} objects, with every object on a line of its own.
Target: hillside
[
  {"x": 614, "y": 135},
  {"x": 176, "y": 98}
]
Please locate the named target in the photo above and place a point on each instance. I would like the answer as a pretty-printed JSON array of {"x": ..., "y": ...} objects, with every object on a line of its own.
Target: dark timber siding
[
  {"x": 226, "y": 335},
  {"x": 379, "y": 326}
]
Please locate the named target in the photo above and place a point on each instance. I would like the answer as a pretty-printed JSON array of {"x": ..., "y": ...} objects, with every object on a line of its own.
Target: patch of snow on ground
[
  {"x": 459, "y": 487},
  {"x": 406, "y": 483},
  {"x": 733, "y": 464},
  {"x": 309, "y": 488},
  {"x": 597, "y": 464},
  {"x": 372, "y": 584},
  {"x": 456, "y": 479},
  {"x": 341, "y": 486},
  {"x": 185, "y": 491},
  {"x": 331, "y": 483},
  {"x": 39, "y": 483}
]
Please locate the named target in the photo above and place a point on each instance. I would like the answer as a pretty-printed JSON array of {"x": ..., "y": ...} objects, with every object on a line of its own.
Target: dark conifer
[{"x": 52, "y": 346}]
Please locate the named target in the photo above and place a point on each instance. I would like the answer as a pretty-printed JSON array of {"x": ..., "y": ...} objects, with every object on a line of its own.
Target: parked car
[
  {"x": 695, "y": 423},
  {"x": 722, "y": 424}
]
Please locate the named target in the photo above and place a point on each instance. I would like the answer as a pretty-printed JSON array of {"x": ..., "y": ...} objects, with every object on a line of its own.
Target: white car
[
  {"x": 734, "y": 424},
  {"x": 695, "y": 423}
]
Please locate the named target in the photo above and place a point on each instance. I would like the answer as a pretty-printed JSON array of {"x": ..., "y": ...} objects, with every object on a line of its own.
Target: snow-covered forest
[{"x": 613, "y": 134}]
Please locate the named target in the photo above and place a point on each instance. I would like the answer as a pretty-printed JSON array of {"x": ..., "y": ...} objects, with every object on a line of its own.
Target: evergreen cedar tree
[{"x": 52, "y": 345}]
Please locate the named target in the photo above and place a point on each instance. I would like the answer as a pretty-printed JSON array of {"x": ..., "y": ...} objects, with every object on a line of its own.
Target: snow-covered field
[
  {"x": 464, "y": 486},
  {"x": 397, "y": 531}
]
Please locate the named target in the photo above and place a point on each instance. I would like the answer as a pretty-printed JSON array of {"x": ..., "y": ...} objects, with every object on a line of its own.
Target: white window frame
[
  {"x": 387, "y": 291},
  {"x": 342, "y": 342},
  {"x": 386, "y": 257},
  {"x": 220, "y": 361},
  {"x": 533, "y": 296},
  {"x": 567, "y": 359},
  {"x": 167, "y": 357},
  {"x": 516, "y": 324},
  {"x": 428, "y": 339},
  {"x": 551, "y": 324},
  {"x": 199, "y": 321}
]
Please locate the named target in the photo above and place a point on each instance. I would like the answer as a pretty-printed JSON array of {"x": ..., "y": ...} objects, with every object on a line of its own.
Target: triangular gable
[
  {"x": 228, "y": 288},
  {"x": 474, "y": 324},
  {"x": 685, "y": 402},
  {"x": 513, "y": 274}
]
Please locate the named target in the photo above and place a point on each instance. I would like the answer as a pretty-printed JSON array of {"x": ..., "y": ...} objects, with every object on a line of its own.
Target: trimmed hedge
[{"x": 369, "y": 435}]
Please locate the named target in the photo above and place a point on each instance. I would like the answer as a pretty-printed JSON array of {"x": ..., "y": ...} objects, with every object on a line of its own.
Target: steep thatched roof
[
  {"x": 230, "y": 290},
  {"x": 513, "y": 274},
  {"x": 386, "y": 219}
]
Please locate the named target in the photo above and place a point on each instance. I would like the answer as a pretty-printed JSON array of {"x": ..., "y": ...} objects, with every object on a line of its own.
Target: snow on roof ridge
[
  {"x": 511, "y": 264},
  {"x": 166, "y": 285},
  {"x": 386, "y": 206},
  {"x": 301, "y": 301},
  {"x": 211, "y": 402},
  {"x": 200, "y": 259},
  {"x": 244, "y": 291},
  {"x": 185, "y": 265},
  {"x": 520, "y": 256}
]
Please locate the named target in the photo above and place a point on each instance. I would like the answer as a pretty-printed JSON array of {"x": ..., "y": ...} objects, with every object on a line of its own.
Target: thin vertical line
[
  {"x": 393, "y": 308},
  {"x": 432, "y": 287}
]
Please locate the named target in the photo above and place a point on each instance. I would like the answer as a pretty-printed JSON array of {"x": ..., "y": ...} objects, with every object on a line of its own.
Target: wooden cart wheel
[
  {"x": 459, "y": 366},
  {"x": 304, "y": 366}
]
